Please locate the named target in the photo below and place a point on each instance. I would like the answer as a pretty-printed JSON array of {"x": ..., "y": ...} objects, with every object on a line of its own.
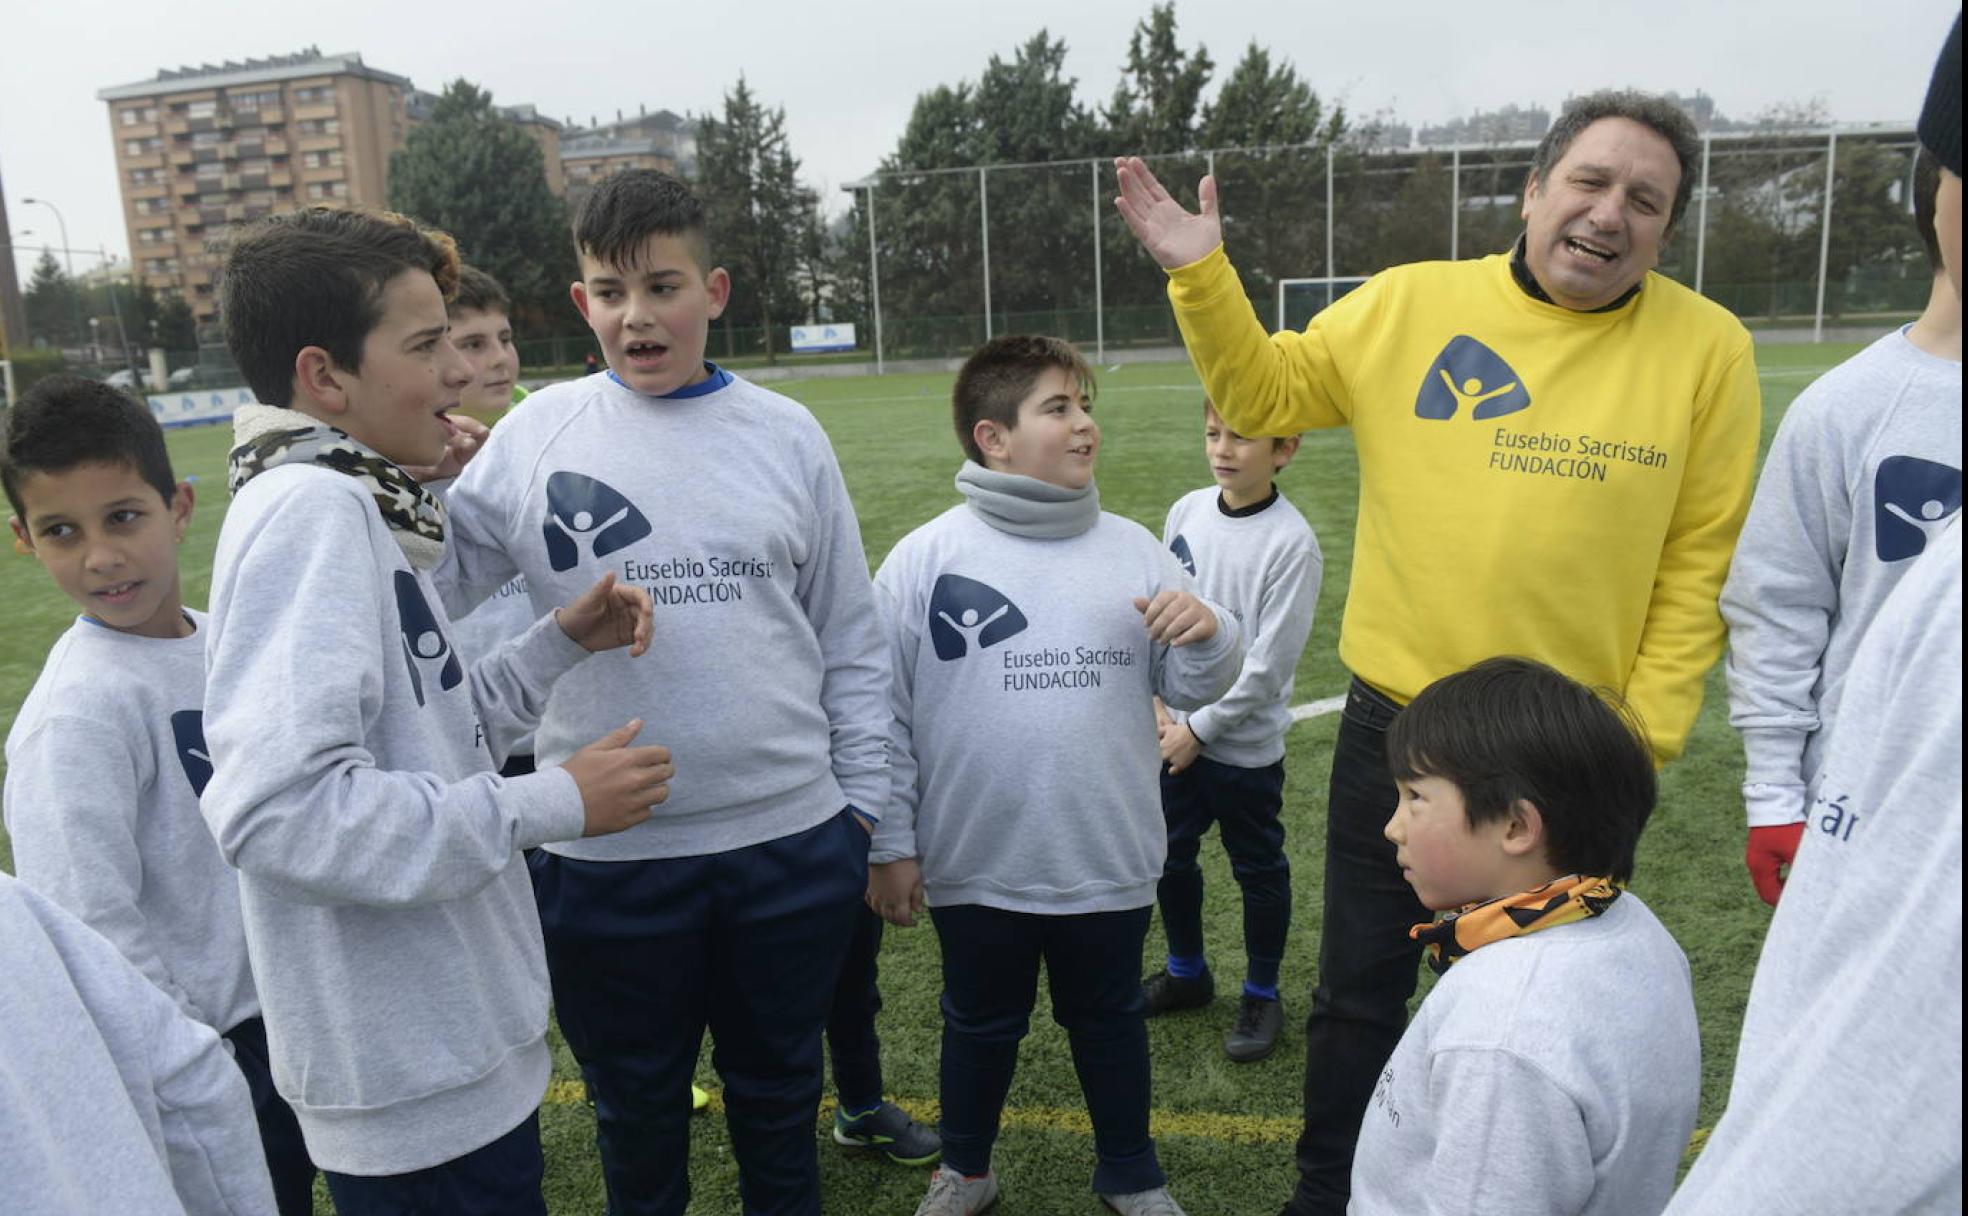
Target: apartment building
[
  {"x": 200, "y": 148},
  {"x": 662, "y": 140}
]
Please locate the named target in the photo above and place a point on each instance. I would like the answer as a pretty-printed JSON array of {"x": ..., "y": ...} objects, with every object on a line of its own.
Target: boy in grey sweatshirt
[
  {"x": 1864, "y": 470},
  {"x": 107, "y": 757},
  {"x": 732, "y": 908},
  {"x": 388, "y": 916},
  {"x": 114, "y": 1100},
  {"x": 1251, "y": 551},
  {"x": 1556, "y": 1067},
  {"x": 1030, "y": 633}
]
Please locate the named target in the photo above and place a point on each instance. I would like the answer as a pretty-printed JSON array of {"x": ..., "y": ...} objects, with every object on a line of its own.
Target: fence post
[
  {"x": 984, "y": 223},
  {"x": 1099, "y": 312},
  {"x": 1824, "y": 236},
  {"x": 1701, "y": 214},
  {"x": 1330, "y": 225},
  {"x": 874, "y": 277},
  {"x": 1455, "y": 202}
]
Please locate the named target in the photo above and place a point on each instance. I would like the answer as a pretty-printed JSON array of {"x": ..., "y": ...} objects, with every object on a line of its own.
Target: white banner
[
  {"x": 198, "y": 406},
  {"x": 817, "y": 339}
]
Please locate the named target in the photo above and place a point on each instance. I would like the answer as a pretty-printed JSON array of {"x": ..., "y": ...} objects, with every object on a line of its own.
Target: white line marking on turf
[{"x": 1319, "y": 708}]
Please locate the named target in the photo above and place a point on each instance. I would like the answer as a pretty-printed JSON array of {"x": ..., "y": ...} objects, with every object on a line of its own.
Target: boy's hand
[
  {"x": 467, "y": 436},
  {"x": 1176, "y": 617},
  {"x": 1180, "y": 747},
  {"x": 1162, "y": 719},
  {"x": 618, "y": 783},
  {"x": 608, "y": 615},
  {"x": 895, "y": 891},
  {"x": 1171, "y": 234}
]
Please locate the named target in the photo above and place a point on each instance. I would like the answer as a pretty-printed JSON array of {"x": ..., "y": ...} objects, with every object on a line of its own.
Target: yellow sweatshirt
[{"x": 1534, "y": 481}]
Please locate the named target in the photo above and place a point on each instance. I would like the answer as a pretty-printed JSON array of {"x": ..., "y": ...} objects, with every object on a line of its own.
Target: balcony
[
  {"x": 204, "y": 123},
  {"x": 177, "y": 124},
  {"x": 276, "y": 145},
  {"x": 181, "y": 155},
  {"x": 251, "y": 148},
  {"x": 320, "y": 109},
  {"x": 212, "y": 217},
  {"x": 280, "y": 179},
  {"x": 144, "y": 160}
]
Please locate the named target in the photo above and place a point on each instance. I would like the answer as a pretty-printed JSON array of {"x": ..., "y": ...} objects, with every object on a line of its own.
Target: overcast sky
[{"x": 847, "y": 71}]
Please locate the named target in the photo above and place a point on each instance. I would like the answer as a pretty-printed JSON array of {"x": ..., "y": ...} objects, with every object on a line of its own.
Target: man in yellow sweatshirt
[{"x": 1556, "y": 451}]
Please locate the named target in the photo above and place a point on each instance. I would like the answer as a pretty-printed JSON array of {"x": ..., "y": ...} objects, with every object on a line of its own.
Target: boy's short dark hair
[
  {"x": 1650, "y": 110},
  {"x": 1209, "y": 407},
  {"x": 1511, "y": 728},
  {"x": 999, "y": 374},
  {"x": 1926, "y": 184},
  {"x": 628, "y": 207},
  {"x": 67, "y": 421},
  {"x": 479, "y": 292},
  {"x": 316, "y": 278}
]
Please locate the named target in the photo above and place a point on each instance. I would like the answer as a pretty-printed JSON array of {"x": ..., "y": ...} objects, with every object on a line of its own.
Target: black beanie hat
[{"x": 1940, "y": 118}]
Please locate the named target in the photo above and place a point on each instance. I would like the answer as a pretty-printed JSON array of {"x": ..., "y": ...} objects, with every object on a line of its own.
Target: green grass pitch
[{"x": 1225, "y": 1131}]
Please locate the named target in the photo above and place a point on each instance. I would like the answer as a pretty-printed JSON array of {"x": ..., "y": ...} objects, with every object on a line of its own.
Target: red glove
[{"x": 1769, "y": 856}]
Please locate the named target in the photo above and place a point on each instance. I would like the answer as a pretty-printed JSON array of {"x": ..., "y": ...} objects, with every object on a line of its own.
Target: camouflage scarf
[
  {"x": 1558, "y": 902},
  {"x": 267, "y": 437}
]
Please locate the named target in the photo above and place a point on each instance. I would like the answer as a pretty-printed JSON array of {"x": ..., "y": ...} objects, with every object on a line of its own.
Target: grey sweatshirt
[
  {"x": 104, "y": 767},
  {"x": 1553, "y": 1074},
  {"x": 111, "y": 1100},
  {"x": 388, "y": 915},
  {"x": 1265, "y": 567},
  {"x": 1866, "y": 466},
  {"x": 766, "y": 676},
  {"x": 1024, "y": 750},
  {"x": 1847, "y": 1093},
  {"x": 504, "y": 615}
]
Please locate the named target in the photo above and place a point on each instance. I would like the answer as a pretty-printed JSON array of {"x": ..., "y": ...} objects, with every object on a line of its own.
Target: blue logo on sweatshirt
[
  {"x": 1180, "y": 547},
  {"x": 1912, "y": 500},
  {"x": 188, "y": 730},
  {"x": 1470, "y": 373},
  {"x": 579, "y": 506},
  {"x": 424, "y": 643},
  {"x": 964, "y": 613}
]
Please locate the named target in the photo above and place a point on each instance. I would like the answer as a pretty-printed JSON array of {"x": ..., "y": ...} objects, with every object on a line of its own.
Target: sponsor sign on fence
[
  {"x": 818, "y": 339},
  {"x": 198, "y": 406}
]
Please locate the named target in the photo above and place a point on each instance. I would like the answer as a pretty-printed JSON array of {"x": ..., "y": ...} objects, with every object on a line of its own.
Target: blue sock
[
  {"x": 1261, "y": 977},
  {"x": 1261, "y": 991},
  {"x": 864, "y": 1112},
  {"x": 1187, "y": 967}
]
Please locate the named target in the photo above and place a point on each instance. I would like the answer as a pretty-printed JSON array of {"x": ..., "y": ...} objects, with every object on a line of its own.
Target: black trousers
[{"x": 1367, "y": 964}]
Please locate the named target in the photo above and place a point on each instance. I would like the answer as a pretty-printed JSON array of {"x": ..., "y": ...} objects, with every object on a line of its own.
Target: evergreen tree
[
  {"x": 1157, "y": 103},
  {"x": 52, "y": 303},
  {"x": 475, "y": 174},
  {"x": 749, "y": 181}
]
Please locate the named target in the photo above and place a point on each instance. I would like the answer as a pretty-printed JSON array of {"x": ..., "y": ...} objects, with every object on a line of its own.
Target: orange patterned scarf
[{"x": 1558, "y": 902}]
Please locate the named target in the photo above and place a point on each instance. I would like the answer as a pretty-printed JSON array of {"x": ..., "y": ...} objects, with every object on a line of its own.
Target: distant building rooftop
[{"x": 310, "y": 62}]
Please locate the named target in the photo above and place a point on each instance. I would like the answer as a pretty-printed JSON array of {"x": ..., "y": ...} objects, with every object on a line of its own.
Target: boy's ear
[
  {"x": 318, "y": 382},
  {"x": 577, "y": 291},
  {"x": 23, "y": 543},
  {"x": 1283, "y": 450},
  {"x": 1523, "y": 831},
  {"x": 990, "y": 438},
  {"x": 181, "y": 503},
  {"x": 718, "y": 284}
]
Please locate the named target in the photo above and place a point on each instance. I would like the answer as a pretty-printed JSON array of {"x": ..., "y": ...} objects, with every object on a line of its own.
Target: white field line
[{"x": 1319, "y": 708}]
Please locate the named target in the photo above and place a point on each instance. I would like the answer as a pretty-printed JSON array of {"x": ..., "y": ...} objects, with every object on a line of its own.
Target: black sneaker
[
  {"x": 890, "y": 1131},
  {"x": 1165, "y": 993},
  {"x": 1255, "y": 1032}
]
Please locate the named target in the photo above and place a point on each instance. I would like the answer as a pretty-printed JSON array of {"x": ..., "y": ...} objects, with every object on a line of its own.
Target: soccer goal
[{"x": 1299, "y": 300}]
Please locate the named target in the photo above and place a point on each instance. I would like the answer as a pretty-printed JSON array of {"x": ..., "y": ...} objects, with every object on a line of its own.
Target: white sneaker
[
  {"x": 1157, "y": 1202},
  {"x": 952, "y": 1194}
]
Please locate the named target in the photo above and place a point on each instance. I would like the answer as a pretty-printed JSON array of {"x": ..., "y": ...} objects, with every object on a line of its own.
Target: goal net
[{"x": 1299, "y": 300}]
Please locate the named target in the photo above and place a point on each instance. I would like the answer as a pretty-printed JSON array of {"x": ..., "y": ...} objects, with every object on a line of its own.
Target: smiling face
[
  {"x": 1594, "y": 224},
  {"x": 110, "y": 542},
  {"x": 652, "y": 317},
  {"x": 1243, "y": 468},
  {"x": 485, "y": 340},
  {"x": 1056, "y": 438}
]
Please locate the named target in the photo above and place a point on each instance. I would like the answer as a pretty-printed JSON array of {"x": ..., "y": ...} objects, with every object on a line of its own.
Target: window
[
  {"x": 146, "y": 177},
  {"x": 202, "y": 109},
  {"x": 314, "y": 95},
  {"x": 142, "y": 147},
  {"x": 327, "y": 190},
  {"x": 208, "y": 170},
  {"x": 255, "y": 101},
  {"x": 258, "y": 164},
  {"x": 318, "y": 126},
  {"x": 204, "y": 139},
  {"x": 132, "y": 115},
  {"x": 322, "y": 160}
]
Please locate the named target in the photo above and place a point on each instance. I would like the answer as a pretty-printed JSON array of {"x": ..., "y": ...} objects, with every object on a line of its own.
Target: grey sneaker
[
  {"x": 890, "y": 1131},
  {"x": 1255, "y": 1032},
  {"x": 952, "y": 1194},
  {"x": 1157, "y": 1202}
]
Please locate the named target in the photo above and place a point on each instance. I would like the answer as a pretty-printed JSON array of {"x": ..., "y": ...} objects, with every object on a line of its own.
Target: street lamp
[{"x": 68, "y": 255}]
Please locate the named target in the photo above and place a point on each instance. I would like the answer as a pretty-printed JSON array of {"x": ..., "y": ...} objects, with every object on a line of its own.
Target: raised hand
[
  {"x": 1172, "y": 235},
  {"x": 608, "y": 615},
  {"x": 618, "y": 783},
  {"x": 467, "y": 436}
]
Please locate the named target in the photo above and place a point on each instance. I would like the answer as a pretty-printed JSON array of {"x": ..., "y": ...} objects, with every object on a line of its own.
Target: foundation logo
[
  {"x": 1913, "y": 499},
  {"x": 1468, "y": 373},
  {"x": 188, "y": 731},
  {"x": 1180, "y": 547},
  {"x": 966, "y": 614},
  {"x": 579, "y": 506},
  {"x": 424, "y": 644}
]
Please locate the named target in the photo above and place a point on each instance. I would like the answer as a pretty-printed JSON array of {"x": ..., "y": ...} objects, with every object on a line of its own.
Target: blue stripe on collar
[{"x": 717, "y": 379}]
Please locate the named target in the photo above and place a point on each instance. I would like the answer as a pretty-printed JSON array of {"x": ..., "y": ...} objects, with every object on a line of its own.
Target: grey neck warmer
[{"x": 1026, "y": 506}]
